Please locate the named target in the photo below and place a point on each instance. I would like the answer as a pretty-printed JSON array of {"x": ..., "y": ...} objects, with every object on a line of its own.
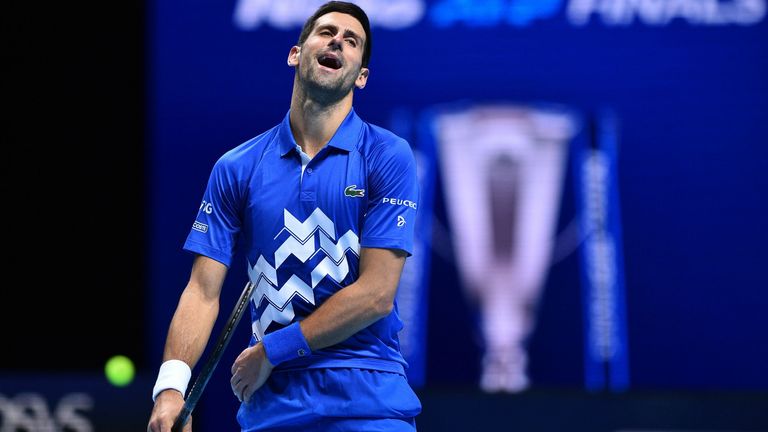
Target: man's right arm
[{"x": 189, "y": 332}]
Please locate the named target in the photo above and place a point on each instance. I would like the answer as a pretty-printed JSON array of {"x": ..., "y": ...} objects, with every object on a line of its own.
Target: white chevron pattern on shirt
[{"x": 300, "y": 244}]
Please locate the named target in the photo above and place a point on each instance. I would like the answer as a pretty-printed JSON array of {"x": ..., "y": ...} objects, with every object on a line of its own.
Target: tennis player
[{"x": 324, "y": 204}]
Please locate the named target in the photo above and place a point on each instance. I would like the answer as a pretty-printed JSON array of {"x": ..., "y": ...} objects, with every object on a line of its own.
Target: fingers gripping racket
[{"x": 213, "y": 359}]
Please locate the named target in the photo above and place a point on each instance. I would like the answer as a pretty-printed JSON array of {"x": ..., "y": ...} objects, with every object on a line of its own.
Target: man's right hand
[{"x": 168, "y": 405}]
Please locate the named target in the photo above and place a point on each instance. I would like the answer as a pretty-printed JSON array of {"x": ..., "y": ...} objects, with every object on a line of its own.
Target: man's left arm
[{"x": 359, "y": 304}]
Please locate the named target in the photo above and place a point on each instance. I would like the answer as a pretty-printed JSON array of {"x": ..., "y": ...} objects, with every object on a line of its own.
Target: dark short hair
[{"x": 345, "y": 8}]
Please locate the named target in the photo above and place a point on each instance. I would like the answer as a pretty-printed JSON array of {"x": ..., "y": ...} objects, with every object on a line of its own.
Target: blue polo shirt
[{"x": 302, "y": 229}]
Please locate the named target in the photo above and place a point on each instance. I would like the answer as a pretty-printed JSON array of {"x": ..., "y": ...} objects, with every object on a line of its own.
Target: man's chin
[{"x": 332, "y": 90}]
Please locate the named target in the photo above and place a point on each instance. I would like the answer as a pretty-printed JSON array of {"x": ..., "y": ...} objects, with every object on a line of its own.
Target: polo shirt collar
[{"x": 345, "y": 138}]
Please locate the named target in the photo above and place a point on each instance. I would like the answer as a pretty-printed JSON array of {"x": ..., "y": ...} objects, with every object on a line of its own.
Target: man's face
[{"x": 330, "y": 60}]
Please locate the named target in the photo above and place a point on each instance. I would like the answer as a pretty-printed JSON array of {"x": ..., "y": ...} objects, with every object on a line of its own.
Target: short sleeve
[
  {"x": 217, "y": 224},
  {"x": 393, "y": 197}
]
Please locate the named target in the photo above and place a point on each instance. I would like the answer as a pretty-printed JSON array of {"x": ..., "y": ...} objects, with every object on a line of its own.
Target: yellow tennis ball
[{"x": 119, "y": 370}]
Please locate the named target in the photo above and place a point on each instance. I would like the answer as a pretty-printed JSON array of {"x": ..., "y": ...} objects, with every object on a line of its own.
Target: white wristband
[{"x": 174, "y": 374}]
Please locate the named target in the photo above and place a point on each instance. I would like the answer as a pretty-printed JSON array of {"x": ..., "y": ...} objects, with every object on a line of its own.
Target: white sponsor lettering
[
  {"x": 402, "y": 14},
  {"x": 206, "y": 207},
  {"x": 662, "y": 12},
  {"x": 398, "y": 201},
  {"x": 199, "y": 226},
  {"x": 31, "y": 412},
  {"x": 601, "y": 264}
]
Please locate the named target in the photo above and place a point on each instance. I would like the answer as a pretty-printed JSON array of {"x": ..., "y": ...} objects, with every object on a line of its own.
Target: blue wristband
[{"x": 286, "y": 344}]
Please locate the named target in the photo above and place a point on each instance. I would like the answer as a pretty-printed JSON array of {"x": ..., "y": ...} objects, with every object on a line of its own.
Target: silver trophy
[{"x": 502, "y": 170}]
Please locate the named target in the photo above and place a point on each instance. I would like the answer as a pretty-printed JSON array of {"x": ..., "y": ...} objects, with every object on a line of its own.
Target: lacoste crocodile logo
[{"x": 350, "y": 191}]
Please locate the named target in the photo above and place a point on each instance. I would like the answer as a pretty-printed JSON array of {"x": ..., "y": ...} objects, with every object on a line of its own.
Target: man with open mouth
[{"x": 323, "y": 206}]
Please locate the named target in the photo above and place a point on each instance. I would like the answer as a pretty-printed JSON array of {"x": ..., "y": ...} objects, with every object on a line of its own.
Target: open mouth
[{"x": 330, "y": 62}]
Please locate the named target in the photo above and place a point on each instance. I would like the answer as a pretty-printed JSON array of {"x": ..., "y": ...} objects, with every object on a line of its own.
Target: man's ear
[
  {"x": 293, "y": 56},
  {"x": 362, "y": 78}
]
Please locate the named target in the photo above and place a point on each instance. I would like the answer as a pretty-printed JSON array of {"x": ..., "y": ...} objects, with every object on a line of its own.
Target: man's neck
[{"x": 314, "y": 124}]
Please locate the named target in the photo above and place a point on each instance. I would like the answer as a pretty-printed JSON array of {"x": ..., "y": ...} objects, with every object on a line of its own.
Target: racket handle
[{"x": 181, "y": 420}]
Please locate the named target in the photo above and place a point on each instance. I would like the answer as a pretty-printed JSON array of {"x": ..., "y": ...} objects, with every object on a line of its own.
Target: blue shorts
[{"x": 331, "y": 400}]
